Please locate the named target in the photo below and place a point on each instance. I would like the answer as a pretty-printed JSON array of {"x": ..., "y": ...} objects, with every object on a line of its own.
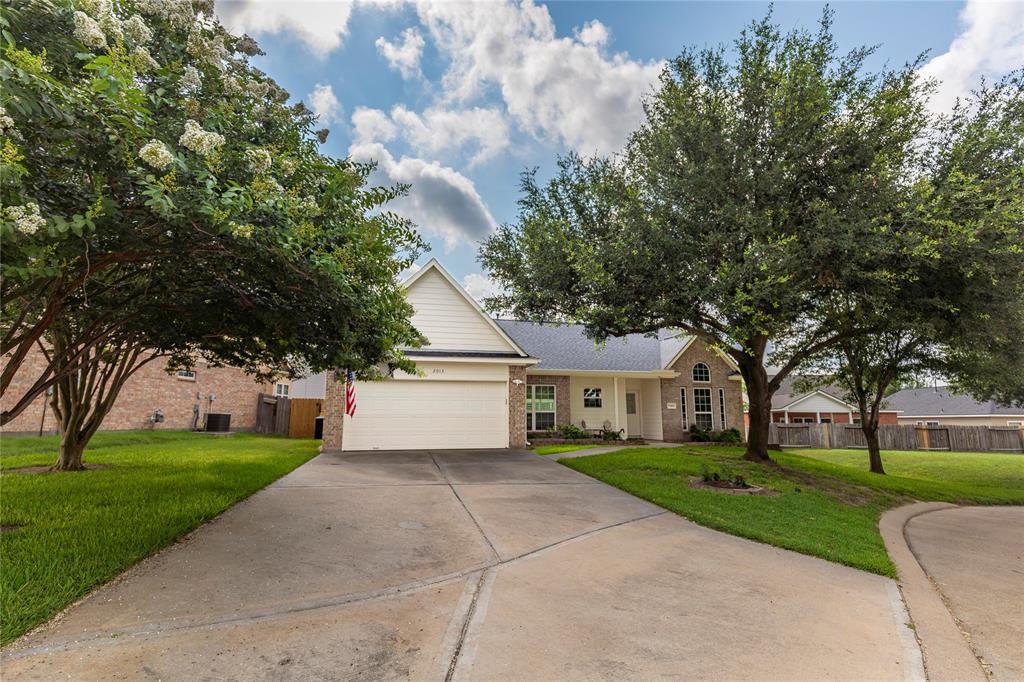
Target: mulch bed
[
  {"x": 46, "y": 469},
  {"x": 585, "y": 441},
  {"x": 9, "y": 529},
  {"x": 729, "y": 488}
]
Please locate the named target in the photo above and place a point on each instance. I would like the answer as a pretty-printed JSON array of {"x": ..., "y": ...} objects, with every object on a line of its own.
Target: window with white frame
[
  {"x": 186, "y": 375},
  {"x": 721, "y": 408},
  {"x": 931, "y": 424},
  {"x": 702, "y": 373},
  {"x": 702, "y": 415},
  {"x": 682, "y": 408},
  {"x": 281, "y": 390},
  {"x": 592, "y": 397},
  {"x": 540, "y": 407}
]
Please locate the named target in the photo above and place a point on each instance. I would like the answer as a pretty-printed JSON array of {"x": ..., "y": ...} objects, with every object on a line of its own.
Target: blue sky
[{"x": 458, "y": 98}]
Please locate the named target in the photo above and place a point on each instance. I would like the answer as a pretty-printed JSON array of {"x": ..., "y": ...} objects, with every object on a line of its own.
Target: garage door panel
[{"x": 401, "y": 415}]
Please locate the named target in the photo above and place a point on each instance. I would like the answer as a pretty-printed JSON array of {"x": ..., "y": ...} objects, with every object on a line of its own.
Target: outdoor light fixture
[{"x": 517, "y": 382}]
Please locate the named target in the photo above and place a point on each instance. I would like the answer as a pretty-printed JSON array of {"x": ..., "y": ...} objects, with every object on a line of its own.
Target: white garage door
[{"x": 405, "y": 415}]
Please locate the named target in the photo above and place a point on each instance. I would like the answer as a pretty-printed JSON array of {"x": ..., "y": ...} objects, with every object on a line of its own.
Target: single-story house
[
  {"x": 821, "y": 405},
  {"x": 938, "y": 406},
  {"x": 487, "y": 383}
]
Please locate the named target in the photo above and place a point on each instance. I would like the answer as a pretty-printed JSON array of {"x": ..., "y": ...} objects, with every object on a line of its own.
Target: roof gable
[
  {"x": 449, "y": 317},
  {"x": 939, "y": 401}
]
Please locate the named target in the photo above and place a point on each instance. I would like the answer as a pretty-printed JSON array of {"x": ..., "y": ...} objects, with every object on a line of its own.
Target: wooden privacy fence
[
  {"x": 903, "y": 437},
  {"x": 292, "y": 417}
]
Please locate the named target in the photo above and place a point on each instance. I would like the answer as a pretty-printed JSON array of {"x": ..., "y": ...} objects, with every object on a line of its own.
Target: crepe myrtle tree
[
  {"x": 760, "y": 185},
  {"x": 160, "y": 197}
]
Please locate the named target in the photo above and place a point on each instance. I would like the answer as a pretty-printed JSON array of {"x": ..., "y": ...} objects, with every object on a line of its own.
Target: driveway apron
[{"x": 481, "y": 565}]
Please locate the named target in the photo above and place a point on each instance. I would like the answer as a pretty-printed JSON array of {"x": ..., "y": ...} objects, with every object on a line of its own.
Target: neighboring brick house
[
  {"x": 485, "y": 383},
  {"x": 150, "y": 389}
]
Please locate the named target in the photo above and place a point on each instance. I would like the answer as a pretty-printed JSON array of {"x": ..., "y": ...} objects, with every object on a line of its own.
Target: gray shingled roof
[
  {"x": 935, "y": 402},
  {"x": 786, "y": 393},
  {"x": 566, "y": 346}
]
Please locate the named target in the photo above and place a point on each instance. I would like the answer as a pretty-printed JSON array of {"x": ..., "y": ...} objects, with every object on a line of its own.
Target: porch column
[
  {"x": 334, "y": 410},
  {"x": 615, "y": 403},
  {"x": 849, "y": 413},
  {"x": 817, "y": 416},
  {"x": 785, "y": 417}
]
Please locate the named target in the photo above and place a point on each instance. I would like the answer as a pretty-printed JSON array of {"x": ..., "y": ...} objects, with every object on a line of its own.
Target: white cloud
[
  {"x": 437, "y": 130},
  {"x": 560, "y": 89},
  {"x": 321, "y": 25},
  {"x": 372, "y": 125},
  {"x": 593, "y": 33},
  {"x": 441, "y": 201},
  {"x": 403, "y": 57},
  {"x": 325, "y": 104},
  {"x": 991, "y": 44},
  {"x": 480, "y": 286}
]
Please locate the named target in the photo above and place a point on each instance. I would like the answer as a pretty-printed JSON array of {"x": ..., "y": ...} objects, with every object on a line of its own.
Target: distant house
[
  {"x": 938, "y": 406},
  {"x": 486, "y": 383},
  {"x": 822, "y": 405}
]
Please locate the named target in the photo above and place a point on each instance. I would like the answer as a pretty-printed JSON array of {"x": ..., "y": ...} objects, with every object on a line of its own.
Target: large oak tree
[{"x": 762, "y": 184}]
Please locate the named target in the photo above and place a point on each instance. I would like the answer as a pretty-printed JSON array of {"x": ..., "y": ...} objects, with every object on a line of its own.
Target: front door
[{"x": 632, "y": 415}]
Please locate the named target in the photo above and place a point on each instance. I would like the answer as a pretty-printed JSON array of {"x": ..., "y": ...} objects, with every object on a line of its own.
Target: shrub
[
  {"x": 570, "y": 431},
  {"x": 610, "y": 434},
  {"x": 699, "y": 434},
  {"x": 727, "y": 436}
]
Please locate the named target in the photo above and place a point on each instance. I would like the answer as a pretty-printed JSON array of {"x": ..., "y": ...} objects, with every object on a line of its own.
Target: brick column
[
  {"x": 516, "y": 407},
  {"x": 334, "y": 410}
]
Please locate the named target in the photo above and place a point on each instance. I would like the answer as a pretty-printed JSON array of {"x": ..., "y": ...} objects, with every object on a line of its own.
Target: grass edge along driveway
[
  {"x": 827, "y": 502},
  {"x": 79, "y": 530}
]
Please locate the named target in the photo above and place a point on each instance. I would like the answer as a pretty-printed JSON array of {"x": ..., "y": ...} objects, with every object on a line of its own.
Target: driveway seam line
[
  {"x": 162, "y": 628},
  {"x": 470, "y": 612},
  {"x": 464, "y": 507}
]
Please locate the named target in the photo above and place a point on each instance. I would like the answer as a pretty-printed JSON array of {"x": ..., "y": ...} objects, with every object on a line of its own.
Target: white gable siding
[
  {"x": 818, "y": 402},
  {"x": 448, "y": 320}
]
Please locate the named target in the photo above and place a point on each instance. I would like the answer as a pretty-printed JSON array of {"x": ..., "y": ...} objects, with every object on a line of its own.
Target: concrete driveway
[
  {"x": 974, "y": 556},
  {"x": 470, "y": 565}
]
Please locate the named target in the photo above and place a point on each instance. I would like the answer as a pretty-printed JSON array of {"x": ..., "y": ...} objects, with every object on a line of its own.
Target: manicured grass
[
  {"x": 828, "y": 504},
  {"x": 556, "y": 449},
  {"x": 81, "y": 529}
]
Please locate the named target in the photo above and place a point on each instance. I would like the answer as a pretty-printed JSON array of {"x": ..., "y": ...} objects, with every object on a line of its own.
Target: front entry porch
[{"x": 628, "y": 403}]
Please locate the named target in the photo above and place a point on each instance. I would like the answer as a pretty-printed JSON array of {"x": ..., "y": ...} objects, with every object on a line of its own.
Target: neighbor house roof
[
  {"x": 566, "y": 346},
  {"x": 939, "y": 401},
  {"x": 787, "y": 393}
]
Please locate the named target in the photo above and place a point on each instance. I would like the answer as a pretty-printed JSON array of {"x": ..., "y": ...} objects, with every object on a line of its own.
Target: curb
[{"x": 947, "y": 656}]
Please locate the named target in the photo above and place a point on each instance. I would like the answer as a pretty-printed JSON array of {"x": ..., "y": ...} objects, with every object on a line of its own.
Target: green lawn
[
  {"x": 556, "y": 449},
  {"x": 828, "y": 504},
  {"x": 81, "y": 529}
]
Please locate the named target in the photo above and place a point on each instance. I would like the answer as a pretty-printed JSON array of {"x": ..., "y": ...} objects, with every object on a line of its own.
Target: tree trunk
[
  {"x": 71, "y": 449},
  {"x": 759, "y": 401},
  {"x": 873, "y": 451}
]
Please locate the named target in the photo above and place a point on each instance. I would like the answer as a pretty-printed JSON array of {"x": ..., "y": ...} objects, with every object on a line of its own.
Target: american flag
[{"x": 350, "y": 394}]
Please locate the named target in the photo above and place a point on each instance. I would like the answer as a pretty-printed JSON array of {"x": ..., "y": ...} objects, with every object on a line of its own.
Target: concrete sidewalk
[{"x": 470, "y": 565}]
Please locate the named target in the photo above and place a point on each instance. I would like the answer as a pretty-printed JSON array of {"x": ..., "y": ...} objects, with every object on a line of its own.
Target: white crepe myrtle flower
[
  {"x": 6, "y": 122},
  {"x": 259, "y": 160},
  {"x": 156, "y": 154},
  {"x": 190, "y": 79},
  {"x": 111, "y": 26},
  {"x": 88, "y": 32},
  {"x": 27, "y": 219},
  {"x": 137, "y": 31},
  {"x": 232, "y": 85},
  {"x": 200, "y": 141},
  {"x": 243, "y": 230},
  {"x": 258, "y": 89},
  {"x": 288, "y": 166},
  {"x": 144, "y": 60},
  {"x": 309, "y": 206},
  {"x": 177, "y": 12}
]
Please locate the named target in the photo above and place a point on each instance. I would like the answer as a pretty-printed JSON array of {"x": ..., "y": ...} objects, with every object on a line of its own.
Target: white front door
[{"x": 633, "y": 429}]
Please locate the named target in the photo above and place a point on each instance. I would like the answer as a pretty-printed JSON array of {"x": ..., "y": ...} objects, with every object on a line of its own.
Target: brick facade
[
  {"x": 562, "y": 397},
  {"x": 517, "y": 407},
  {"x": 151, "y": 388},
  {"x": 671, "y": 419},
  {"x": 334, "y": 412}
]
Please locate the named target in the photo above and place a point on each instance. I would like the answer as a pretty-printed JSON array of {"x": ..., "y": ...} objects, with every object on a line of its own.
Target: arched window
[{"x": 702, "y": 373}]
